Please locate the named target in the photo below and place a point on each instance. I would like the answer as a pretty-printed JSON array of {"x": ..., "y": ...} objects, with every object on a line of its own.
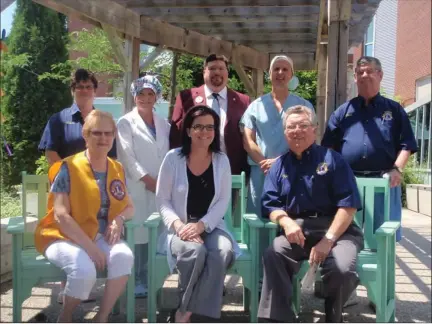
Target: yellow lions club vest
[{"x": 84, "y": 197}]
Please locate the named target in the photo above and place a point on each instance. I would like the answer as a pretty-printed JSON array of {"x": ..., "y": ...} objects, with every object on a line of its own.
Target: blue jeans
[
  {"x": 141, "y": 259},
  {"x": 395, "y": 209}
]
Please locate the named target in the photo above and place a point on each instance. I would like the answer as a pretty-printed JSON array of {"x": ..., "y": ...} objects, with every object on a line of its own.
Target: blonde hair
[
  {"x": 94, "y": 117},
  {"x": 300, "y": 110}
]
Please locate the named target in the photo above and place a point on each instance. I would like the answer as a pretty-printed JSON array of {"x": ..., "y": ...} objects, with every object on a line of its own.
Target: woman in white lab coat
[{"x": 141, "y": 147}]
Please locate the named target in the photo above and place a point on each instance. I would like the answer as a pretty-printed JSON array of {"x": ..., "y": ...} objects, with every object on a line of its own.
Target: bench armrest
[
  {"x": 131, "y": 223},
  {"x": 269, "y": 224},
  {"x": 388, "y": 228},
  {"x": 253, "y": 221},
  {"x": 153, "y": 221},
  {"x": 16, "y": 225}
]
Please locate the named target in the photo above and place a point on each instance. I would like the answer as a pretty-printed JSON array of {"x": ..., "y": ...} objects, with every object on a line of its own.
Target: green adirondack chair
[
  {"x": 31, "y": 268},
  {"x": 245, "y": 266},
  {"x": 376, "y": 262}
]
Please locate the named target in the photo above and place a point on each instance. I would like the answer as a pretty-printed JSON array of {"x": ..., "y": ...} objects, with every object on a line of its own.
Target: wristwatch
[
  {"x": 395, "y": 167},
  {"x": 331, "y": 237}
]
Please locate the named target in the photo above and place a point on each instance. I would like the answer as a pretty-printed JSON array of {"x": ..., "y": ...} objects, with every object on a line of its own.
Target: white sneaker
[{"x": 60, "y": 297}]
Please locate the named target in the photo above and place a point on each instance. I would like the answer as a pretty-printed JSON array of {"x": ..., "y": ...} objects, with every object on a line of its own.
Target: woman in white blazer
[
  {"x": 141, "y": 147},
  {"x": 193, "y": 194}
]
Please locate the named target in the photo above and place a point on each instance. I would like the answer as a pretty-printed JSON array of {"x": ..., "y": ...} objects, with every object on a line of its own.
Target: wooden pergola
[{"x": 316, "y": 34}]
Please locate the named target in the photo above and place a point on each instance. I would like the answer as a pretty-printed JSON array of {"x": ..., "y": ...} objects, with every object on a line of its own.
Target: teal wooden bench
[
  {"x": 245, "y": 266},
  {"x": 30, "y": 268},
  {"x": 376, "y": 262}
]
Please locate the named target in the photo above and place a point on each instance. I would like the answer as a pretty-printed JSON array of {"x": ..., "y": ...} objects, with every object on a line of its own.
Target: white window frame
[{"x": 372, "y": 43}]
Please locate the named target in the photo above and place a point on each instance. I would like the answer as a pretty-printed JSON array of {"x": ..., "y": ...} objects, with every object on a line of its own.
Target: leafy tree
[{"x": 36, "y": 42}]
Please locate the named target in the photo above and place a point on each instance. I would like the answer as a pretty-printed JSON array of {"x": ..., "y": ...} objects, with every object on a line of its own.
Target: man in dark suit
[{"x": 229, "y": 104}]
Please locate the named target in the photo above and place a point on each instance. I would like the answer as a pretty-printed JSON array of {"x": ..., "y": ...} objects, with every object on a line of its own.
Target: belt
[
  {"x": 308, "y": 215},
  {"x": 371, "y": 174}
]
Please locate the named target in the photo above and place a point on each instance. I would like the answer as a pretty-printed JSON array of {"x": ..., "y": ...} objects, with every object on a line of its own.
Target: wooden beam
[
  {"x": 265, "y": 37},
  {"x": 321, "y": 21},
  {"x": 215, "y": 3},
  {"x": 176, "y": 57},
  {"x": 292, "y": 47},
  {"x": 132, "y": 48},
  {"x": 244, "y": 77},
  {"x": 258, "y": 81},
  {"x": 151, "y": 57},
  {"x": 268, "y": 11},
  {"x": 236, "y": 18},
  {"x": 321, "y": 91},
  {"x": 337, "y": 51},
  {"x": 302, "y": 61},
  {"x": 155, "y": 32},
  {"x": 338, "y": 10},
  {"x": 220, "y": 31},
  {"x": 104, "y": 11},
  {"x": 117, "y": 46}
]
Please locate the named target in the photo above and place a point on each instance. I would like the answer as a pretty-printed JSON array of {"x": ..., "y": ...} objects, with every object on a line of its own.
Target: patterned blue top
[{"x": 61, "y": 184}]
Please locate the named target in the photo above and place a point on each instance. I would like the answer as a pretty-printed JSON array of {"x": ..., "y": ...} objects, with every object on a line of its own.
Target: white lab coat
[{"x": 140, "y": 155}]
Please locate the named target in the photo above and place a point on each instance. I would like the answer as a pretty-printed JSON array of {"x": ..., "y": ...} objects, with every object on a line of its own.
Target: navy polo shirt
[
  {"x": 369, "y": 137},
  {"x": 63, "y": 133},
  {"x": 320, "y": 182}
]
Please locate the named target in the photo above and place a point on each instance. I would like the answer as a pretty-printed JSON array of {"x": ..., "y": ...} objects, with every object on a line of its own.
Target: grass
[{"x": 10, "y": 204}]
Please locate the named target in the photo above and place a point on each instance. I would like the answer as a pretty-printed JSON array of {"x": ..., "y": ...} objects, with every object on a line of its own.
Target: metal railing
[{"x": 421, "y": 120}]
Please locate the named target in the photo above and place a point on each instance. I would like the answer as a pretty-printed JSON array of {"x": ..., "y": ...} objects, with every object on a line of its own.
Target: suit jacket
[{"x": 237, "y": 105}]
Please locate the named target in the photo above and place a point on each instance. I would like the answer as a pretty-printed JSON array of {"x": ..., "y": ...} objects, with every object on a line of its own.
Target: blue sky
[{"x": 7, "y": 18}]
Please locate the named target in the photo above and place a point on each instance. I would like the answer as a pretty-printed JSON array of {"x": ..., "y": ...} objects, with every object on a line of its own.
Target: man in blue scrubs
[
  {"x": 312, "y": 194},
  {"x": 374, "y": 135},
  {"x": 62, "y": 136}
]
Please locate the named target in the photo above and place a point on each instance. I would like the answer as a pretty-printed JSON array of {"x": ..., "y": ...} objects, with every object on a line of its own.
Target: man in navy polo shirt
[
  {"x": 62, "y": 136},
  {"x": 374, "y": 135},
  {"x": 311, "y": 193}
]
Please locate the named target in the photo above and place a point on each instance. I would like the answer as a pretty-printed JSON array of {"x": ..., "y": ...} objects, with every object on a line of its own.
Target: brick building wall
[
  {"x": 413, "y": 47},
  {"x": 104, "y": 88}
]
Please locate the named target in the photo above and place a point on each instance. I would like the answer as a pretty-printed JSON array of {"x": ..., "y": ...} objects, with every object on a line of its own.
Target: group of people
[{"x": 103, "y": 174}]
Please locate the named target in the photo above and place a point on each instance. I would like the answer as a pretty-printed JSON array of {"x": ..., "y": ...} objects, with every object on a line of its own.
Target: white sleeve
[{"x": 126, "y": 152}]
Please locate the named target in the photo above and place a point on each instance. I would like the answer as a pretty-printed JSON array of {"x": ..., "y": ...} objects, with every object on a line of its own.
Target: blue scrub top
[
  {"x": 320, "y": 182},
  {"x": 263, "y": 117},
  {"x": 63, "y": 134},
  {"x": 369, "y": 137}
]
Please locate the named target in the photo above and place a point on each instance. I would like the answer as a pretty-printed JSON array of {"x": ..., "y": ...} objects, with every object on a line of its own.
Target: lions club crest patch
[
  {"x": 387, "y": 115},
  {"x": 117, "y": 189},
  {"x": 322, "y": 168}
]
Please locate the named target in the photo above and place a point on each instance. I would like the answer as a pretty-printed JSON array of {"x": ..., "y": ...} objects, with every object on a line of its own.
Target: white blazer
[
  {"x": 141, "y": 154},
  {"x": 171, "y": 198}
]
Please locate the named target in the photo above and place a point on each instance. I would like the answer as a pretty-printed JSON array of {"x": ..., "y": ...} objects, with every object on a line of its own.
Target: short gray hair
[
  {"x": 300, "y": 110},
  {"x": 369, "y": 60}
]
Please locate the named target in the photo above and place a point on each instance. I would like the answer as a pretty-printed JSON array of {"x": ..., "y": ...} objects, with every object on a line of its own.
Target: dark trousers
[{"x": 282, "y": 260}]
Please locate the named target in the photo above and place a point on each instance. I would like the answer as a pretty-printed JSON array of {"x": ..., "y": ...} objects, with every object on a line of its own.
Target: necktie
[{"x": 215, "y": 104}]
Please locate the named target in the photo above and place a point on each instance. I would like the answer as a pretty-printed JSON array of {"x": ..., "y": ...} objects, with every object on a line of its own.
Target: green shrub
[
  {"x": 10, "y": 204},
  {"x": 410, "y": 176},
  {"x": 42, "y": 165}
]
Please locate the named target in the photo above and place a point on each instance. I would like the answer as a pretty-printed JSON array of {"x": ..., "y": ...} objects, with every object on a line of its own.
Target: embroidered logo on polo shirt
[
  {"x": 387, "y": 115},
  {"x": 117, "y": 189},
  {"x": 70, "y": 122},
  {"x": 322, "y": 168}
]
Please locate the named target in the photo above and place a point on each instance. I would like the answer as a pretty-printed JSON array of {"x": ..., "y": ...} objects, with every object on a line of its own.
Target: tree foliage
[{"x": 36, "y": 42}]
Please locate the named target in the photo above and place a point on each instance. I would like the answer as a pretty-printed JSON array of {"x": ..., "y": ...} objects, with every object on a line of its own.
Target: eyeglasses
[
  {"x": 80, "y": 87},
  {"x": 200, "y": 128},
  {"x": 100, "y": 133},
  {"x": 214, "y": 69},
  {"x": 300, "y": 126}
]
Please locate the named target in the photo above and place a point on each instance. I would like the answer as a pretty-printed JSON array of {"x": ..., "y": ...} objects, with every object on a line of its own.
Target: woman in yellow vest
[{"x": 87, "y": 207}]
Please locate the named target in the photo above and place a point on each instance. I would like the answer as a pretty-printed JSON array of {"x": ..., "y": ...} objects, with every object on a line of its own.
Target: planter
[
  {"x": 412, "y": 197},
  {"x": 424, "y": 198},
  {"x": 6, "y": 245},
  {"x": 418, "y": 198}
]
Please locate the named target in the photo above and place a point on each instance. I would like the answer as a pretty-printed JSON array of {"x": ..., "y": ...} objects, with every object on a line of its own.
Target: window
[{"x": 369, "y": 39}]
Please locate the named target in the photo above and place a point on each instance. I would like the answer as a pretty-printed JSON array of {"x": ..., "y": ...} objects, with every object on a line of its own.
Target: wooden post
[
  {"x": 176, "y": 57},
  {"x": 132, "y": 50},
  {"x": 339, "y": 12},
  {"x": 258, "y": 81},
  {"x": 321, "y": 91}
]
